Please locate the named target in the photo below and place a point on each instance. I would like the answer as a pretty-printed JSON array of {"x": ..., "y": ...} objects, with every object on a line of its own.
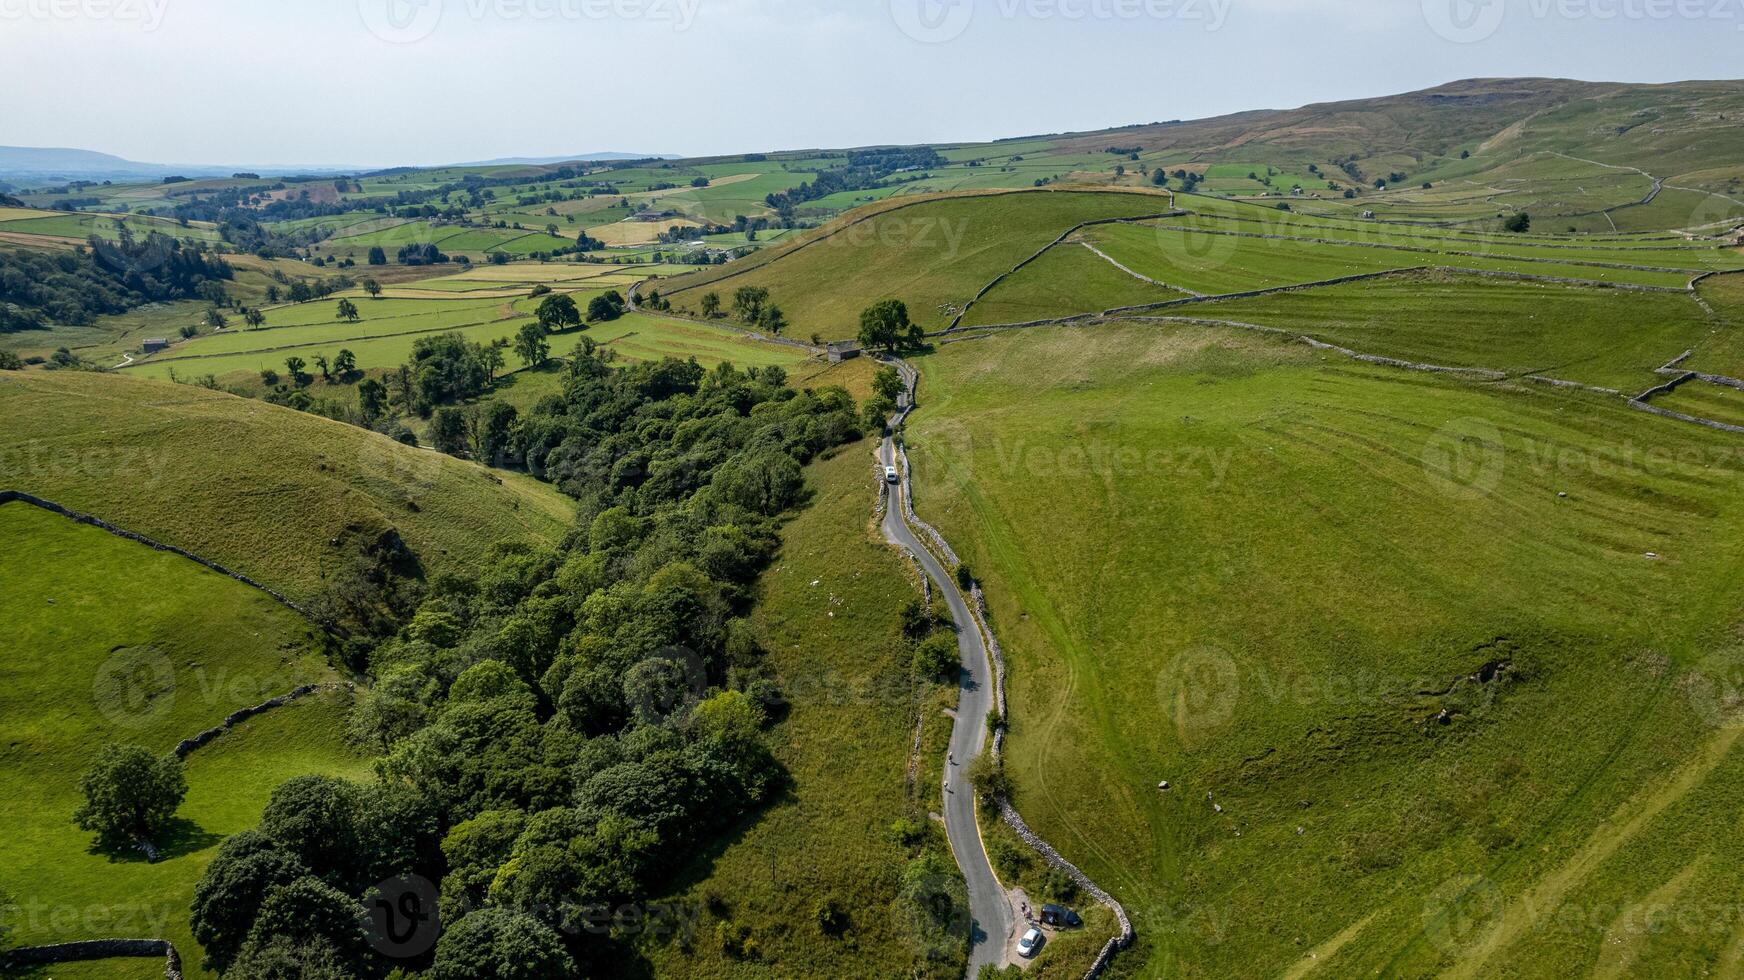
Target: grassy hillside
[
  {"x": 258, "y": 488},
  {"x": 113, "y": 641},
  {"x": 828, "y": 617},
  {"x": 1604, "y": 337},
  {"x": 1067, "y": 279},
  {"x": 934, "y": 256},
  {"x": 1265, "y": 574}
]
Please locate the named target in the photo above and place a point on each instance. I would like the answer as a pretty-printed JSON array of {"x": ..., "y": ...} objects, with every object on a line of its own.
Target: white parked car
[
  {"x": 890, "y": 474},
  {"x": 1030, "y": 944}
]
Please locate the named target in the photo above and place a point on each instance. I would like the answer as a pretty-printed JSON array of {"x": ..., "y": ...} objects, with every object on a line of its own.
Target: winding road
[{"x": 992, "y": 920}]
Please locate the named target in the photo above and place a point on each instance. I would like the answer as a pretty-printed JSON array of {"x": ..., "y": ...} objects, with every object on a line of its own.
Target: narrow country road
[{"x": 989, "y": 908}]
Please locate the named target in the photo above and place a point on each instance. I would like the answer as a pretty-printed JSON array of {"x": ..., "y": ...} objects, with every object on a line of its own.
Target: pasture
[
  {"x": 1349, "y": 606},
  {"x": 117, "y": 642},
  {"x": 1605, "y": 337},
  {"x": 934, "y": 255},
  {"x": 259, "y": 488}
]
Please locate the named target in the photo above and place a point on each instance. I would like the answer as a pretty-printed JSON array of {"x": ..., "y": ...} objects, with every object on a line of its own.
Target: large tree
[
  {"x": 531, "y": 344},
  {"x": 307, "y": 923},
  {"x": 558, "y": 311},
  {"x": 885, "y": 326},
  {"x": 772, "y": 320},
  {"x": 498, "y": 944},
  {"x": 606, "y": 306},
  {"x": 130, "y": 794},
  {"x": 248, "y": 866},
  {"x": 748, "y": 302}
]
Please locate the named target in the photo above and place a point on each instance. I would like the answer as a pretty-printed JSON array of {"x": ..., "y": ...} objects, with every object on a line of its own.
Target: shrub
[
  {"x": 936, "y": 657},
  {"x": 987, "y": 774},
  {"x": 832, "y": 919}
]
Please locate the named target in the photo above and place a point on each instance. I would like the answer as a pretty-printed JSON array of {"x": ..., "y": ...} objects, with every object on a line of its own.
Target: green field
[
  {"x": 1067, "y": 279},
  {"x": 1723, "y": 352},
  {"x": 380, "y": 341},
  {"x": 116, "y": 642},
  {"x": 1378, "y": 534},
  {"x": 1215, "y": 263},
  {"x": 1605, "y": 337},
  {"x": 1705, "y": 401},
  {"x": 258, "y": 488},
  {"x": 934, "y": 256},
  {"x": 84, "y": 225},
  {"x": 1443, "y": 669},
  {"x": 649, "y": 337}
]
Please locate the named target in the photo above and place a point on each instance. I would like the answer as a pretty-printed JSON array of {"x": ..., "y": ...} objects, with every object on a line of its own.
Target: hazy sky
[{"x": 382, "y": 82}]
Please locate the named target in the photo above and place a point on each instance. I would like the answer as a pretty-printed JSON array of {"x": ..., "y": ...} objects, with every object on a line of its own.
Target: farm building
[
  {"x": 153, "y": 345},
  {"x": 842, "y": 350}
]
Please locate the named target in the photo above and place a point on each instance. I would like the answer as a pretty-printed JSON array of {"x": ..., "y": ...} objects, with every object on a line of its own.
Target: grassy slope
[
  {"x": 1604, "y": 337},
  {"x": 116, "y": 642},
  {"x": 1240, "y": 567},
  {"x": 934, "y": 256},
  {"x": 827, "y": 615},
  {"x": 1068, "y": 279},
  {"x": 1723, "y": 353},
  {"x": 257, "y": 488}
]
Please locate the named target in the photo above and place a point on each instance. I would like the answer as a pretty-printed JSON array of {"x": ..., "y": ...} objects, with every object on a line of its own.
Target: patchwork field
[
  {"x": 935, "y": 256},
  {"x": 1462, "y": 715},
  {"x": 1067, "y": 279},
  {"x": 1604, "y": 337},
  {"x": 116, "y": 642}
]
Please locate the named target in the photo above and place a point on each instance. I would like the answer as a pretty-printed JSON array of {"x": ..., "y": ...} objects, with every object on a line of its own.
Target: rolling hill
[{"x": 263, "y": 490}]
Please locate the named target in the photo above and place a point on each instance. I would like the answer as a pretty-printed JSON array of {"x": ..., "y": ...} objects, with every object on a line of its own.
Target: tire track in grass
[
  {"x": 1549, "y": 891},
  {"x": 1603, "y": 839},
  {"x": 1622, "y": 942}
]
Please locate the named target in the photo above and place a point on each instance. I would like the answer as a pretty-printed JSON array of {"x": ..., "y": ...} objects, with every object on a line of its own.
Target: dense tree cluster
[
  {"x": 39, "y": 288},
  {"x": 864, "y": 169},
  {"x": 569, "y": 726}
]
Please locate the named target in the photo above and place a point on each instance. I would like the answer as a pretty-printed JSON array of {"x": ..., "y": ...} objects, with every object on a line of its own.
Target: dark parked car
[{"x": 1060, "y": 917}]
